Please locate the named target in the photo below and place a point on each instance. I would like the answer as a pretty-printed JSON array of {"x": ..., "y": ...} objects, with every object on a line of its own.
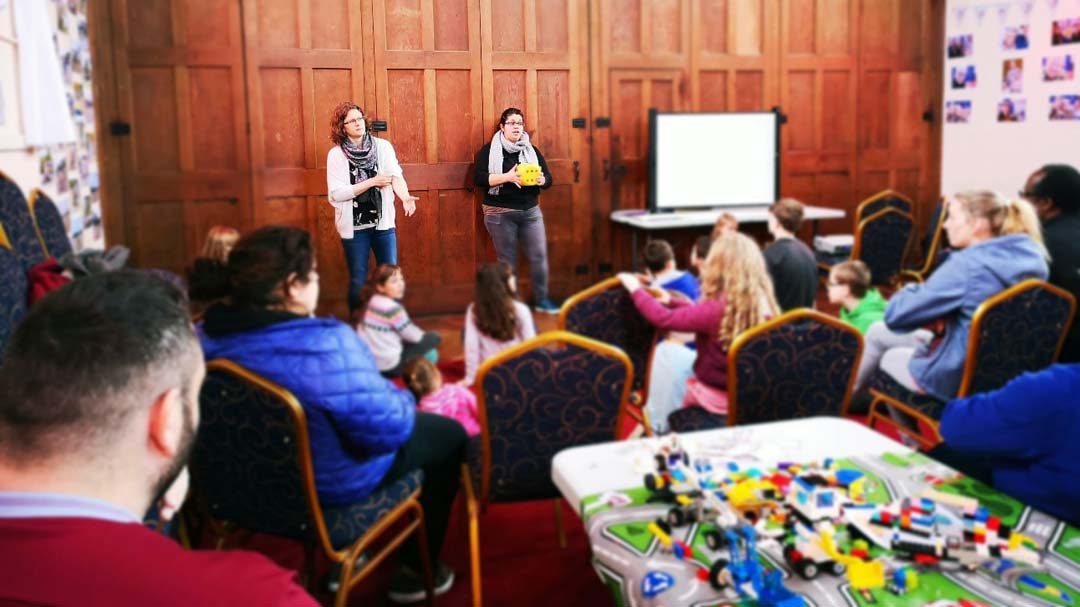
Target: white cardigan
[{"x": 339, "y": 187}]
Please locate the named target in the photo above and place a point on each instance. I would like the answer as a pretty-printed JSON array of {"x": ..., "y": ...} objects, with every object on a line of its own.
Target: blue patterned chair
[
  {"x": 605, "y": 312},
  {"x": 933, "y": 246},
  {"x": 13, "y": 288},
  {"x": 50, "y": 226},
  {"x": 251, "y": 469},
  {"x": 19, "y": 224},
  {"x": 554, "y": 391},
  {"x": 881, "y": 242},
  {"x": 885, "y": 199},
  {"x": 800, "y": 364},
  {"x": 1018, "y": 330}
]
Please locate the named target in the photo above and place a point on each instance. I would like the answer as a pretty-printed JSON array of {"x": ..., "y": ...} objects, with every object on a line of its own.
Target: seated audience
[
  {"x": 382, "y": 322},
  {"x": 433, "y": 396},
  {"x": 1054, "y": 190},
  {"x": 726, "y": 222},
  {"x": 736, "y": 294},
  {"x": 365, "y": 433},
  {"x": 997, "y": 245},
  {"x": 219, "y": 241},
  {"x": 849, "y": 287},
  {"x": 660, "y": 268},
  {"x": 698, "y": 254},
  {"x": 99, "y": 411},
  {"x": 791, "y": 263},
  {"x": 496, "y": 320},
  {"x": 1021, "y": 439}
]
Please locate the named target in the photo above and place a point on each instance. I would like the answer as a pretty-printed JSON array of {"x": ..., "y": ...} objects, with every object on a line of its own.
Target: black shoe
[{"x": 408, "y": 586}]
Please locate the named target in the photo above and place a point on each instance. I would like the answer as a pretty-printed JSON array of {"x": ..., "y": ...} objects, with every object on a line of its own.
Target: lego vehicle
[
  {"x": 743, "y": 568},
  {"x": 804, "y": 553}
]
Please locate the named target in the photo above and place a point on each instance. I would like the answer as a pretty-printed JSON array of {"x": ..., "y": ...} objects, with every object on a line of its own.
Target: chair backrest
[
  {"x": 605, "y": 312},
  {"x": 13, "y": 288},
  {"x": 554, "y": 391},
  {"x": 1018, "y": 330},
  {"x": 885, "y": 199},
  {"x": 252, "y": 459},
  {"x": 881, "y": 242},
  {"x": 799, "y": 364},
  {"x": 50, "y": 225},
  {"x": 19, "y": 225}
]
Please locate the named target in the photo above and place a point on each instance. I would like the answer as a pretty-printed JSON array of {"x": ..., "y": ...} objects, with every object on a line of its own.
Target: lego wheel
[
  {"x": 676, "y": 517},
  {"x": 719, "y": 577},
  {"x": 664, "y": 526},
  {"x": 714, "y": 540},
  {"x": 837, "y": 568},
  {"x": 661, "y": 462},
  {"x": 807, "y": 569},
  {"x": 650, "y": 482}
]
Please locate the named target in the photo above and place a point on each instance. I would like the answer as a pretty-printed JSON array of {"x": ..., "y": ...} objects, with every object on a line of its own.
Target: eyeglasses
[
  {"x": 355, "y": 121},
  {"x": 514, "y": 123},
  {"x": 834, "y": 284}
]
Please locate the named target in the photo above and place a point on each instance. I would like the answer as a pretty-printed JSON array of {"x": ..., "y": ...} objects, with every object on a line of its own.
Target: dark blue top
[{"x": 686, "y": 283}]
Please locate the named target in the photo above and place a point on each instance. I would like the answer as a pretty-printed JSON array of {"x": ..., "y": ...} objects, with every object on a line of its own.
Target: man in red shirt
[{"x": 98, "y": 412}]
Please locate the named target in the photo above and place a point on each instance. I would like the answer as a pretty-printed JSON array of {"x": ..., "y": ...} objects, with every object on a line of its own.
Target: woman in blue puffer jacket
[{"x": 365, "y": 433}]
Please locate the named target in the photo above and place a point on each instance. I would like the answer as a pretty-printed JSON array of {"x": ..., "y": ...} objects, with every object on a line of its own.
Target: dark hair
[
  {"x": 419, "y": 374},
  {"x": 87, "y": 357},
  {"x": 383, "y": 273},
  {"x": 789, "y": 213},
  {"x": 701, "y": 247},
  {"x": 494, "y": 307},
  {"x": 855, "y": 275},
  {"x": 508, "y": 112},
  {"x": 656, "y": 255},
  {"x": 337, "y": 121},
  {"x": 258, "y": 268},
  {"x": 1060, "y": 183}
]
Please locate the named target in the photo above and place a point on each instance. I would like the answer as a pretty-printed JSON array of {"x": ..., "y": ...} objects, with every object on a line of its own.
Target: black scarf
[{"x": 363, "y": 164}]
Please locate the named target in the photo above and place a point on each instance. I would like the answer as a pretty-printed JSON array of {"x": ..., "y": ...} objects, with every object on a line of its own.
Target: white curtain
[{"x": 45, "y": 112}]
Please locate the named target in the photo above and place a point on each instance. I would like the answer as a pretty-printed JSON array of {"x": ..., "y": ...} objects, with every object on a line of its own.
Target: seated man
[
  {"x": 1054, "y": 191},
  {"x": 660, "y": 267},
  {"x": 100, "y": 392},
  {"x": 1021, "y": 439},
  {"x": 791, "y": 263}
]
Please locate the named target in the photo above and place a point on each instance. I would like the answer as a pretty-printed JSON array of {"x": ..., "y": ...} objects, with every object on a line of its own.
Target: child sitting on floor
[
  {"x": 433, "y": 396},
  {"x": 496, "y": 320},
  {"x": 382, "y": 322},
  {"x": 860, "y": 304}
]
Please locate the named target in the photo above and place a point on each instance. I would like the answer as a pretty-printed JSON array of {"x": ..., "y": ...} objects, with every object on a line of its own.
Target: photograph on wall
[
  {"x": 1012, "y": 76},
  {"x": 963, "y": 77},
  {"x": 958, "y": 111},
  {"x": 1058, "y": 67},
  {"x": 1014, "y": 38},
  {"x": 1065, "y": 107},
  {"x": 1012, "y": 110},
  {"x": 959, "y": 46},
  {"x": 1065, "y": 31}
]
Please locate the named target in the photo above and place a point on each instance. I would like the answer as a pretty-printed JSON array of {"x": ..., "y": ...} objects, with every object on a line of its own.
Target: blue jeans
[
  {"x": 357, "y": 251},
  {"x": 507, "y": 229}
]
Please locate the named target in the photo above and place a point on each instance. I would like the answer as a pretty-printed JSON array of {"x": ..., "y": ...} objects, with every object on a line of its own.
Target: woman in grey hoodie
[{"x": 998, "y": 244}]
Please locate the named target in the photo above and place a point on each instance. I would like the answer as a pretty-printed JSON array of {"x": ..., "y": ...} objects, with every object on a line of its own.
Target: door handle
[{"x": 577, "y": 171}]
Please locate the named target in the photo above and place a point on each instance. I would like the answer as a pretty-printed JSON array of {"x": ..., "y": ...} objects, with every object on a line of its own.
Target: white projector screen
[{"x": 713, "y": 159}]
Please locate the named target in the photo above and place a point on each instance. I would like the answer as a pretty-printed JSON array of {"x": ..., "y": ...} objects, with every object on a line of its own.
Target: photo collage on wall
[
  {"x": 1014, "y": 43},
  {"x": 71, "y": 170}
]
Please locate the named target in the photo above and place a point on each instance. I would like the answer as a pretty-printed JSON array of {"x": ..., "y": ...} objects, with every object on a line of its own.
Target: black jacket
[
  {"x": 510, "y": 196},
  {"x": 1062, "y": 235}
]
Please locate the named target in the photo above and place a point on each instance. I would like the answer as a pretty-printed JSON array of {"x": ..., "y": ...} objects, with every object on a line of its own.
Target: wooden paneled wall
[{"x": 229, "y": 101}]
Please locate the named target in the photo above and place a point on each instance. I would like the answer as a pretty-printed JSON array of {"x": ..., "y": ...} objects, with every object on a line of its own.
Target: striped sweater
[{"x": 385, "y": 326}]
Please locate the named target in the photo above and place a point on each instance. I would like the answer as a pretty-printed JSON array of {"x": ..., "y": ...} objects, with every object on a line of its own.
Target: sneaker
[
  {"x": 408, "y": 586},
  {"x": 546, "y": 306}
]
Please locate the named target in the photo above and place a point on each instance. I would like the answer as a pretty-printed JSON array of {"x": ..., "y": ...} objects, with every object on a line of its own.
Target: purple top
[{"x": 702, "y": 319}]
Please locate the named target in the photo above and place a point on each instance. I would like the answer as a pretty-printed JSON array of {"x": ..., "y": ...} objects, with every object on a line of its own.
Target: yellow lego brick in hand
[{"x": 529, "y": 173}]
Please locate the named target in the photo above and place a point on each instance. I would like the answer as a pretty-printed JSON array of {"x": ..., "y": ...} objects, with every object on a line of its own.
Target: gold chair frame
[
  {"x": 970, "y": 363},
  {"x": 31, "y": 200},
  {"x": 408, "y": 510},
  {"x": 856, "y": 247},
  {"x": 478, "y": 502},
  {"x": 921, "y": 274}
]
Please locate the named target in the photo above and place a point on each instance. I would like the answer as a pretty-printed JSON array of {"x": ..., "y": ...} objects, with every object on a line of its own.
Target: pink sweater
[
  {"x": 480, "y": 347},
  {"x": 703, "y": 320},
  {"x": 457, "y": 403}
]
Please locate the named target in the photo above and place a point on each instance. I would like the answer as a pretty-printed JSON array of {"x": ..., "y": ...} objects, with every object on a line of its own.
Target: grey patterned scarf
[
  {"x": 499, "y": 144},
  {"x": 362, "y": 156}
]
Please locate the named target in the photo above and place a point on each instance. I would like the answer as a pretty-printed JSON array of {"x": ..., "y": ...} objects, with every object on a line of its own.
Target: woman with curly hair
[
  {"x": 496, "y": 320},
  {"x": 362, "y": 177},
  {"x": 736, "y": 294}
]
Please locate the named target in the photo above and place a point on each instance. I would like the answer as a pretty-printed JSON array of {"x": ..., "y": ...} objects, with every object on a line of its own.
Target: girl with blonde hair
[
  {"x": 736, "y": 294},
  {"x": 998, "y": 244}
]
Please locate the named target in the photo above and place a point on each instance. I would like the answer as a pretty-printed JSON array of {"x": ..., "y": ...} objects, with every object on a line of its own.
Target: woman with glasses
[
  {"x": 362, "y": 177},
  {"x": 511, "y": 208}
]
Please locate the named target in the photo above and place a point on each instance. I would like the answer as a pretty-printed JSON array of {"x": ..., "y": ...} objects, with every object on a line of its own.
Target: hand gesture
[
  {"x": 380, "y": 181},
  {"x": 540, "y": 179},
  {"x": 513, "y": 177},
  {"x": 409, "y": 203},
  {"x": 629, "y": 281}
]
